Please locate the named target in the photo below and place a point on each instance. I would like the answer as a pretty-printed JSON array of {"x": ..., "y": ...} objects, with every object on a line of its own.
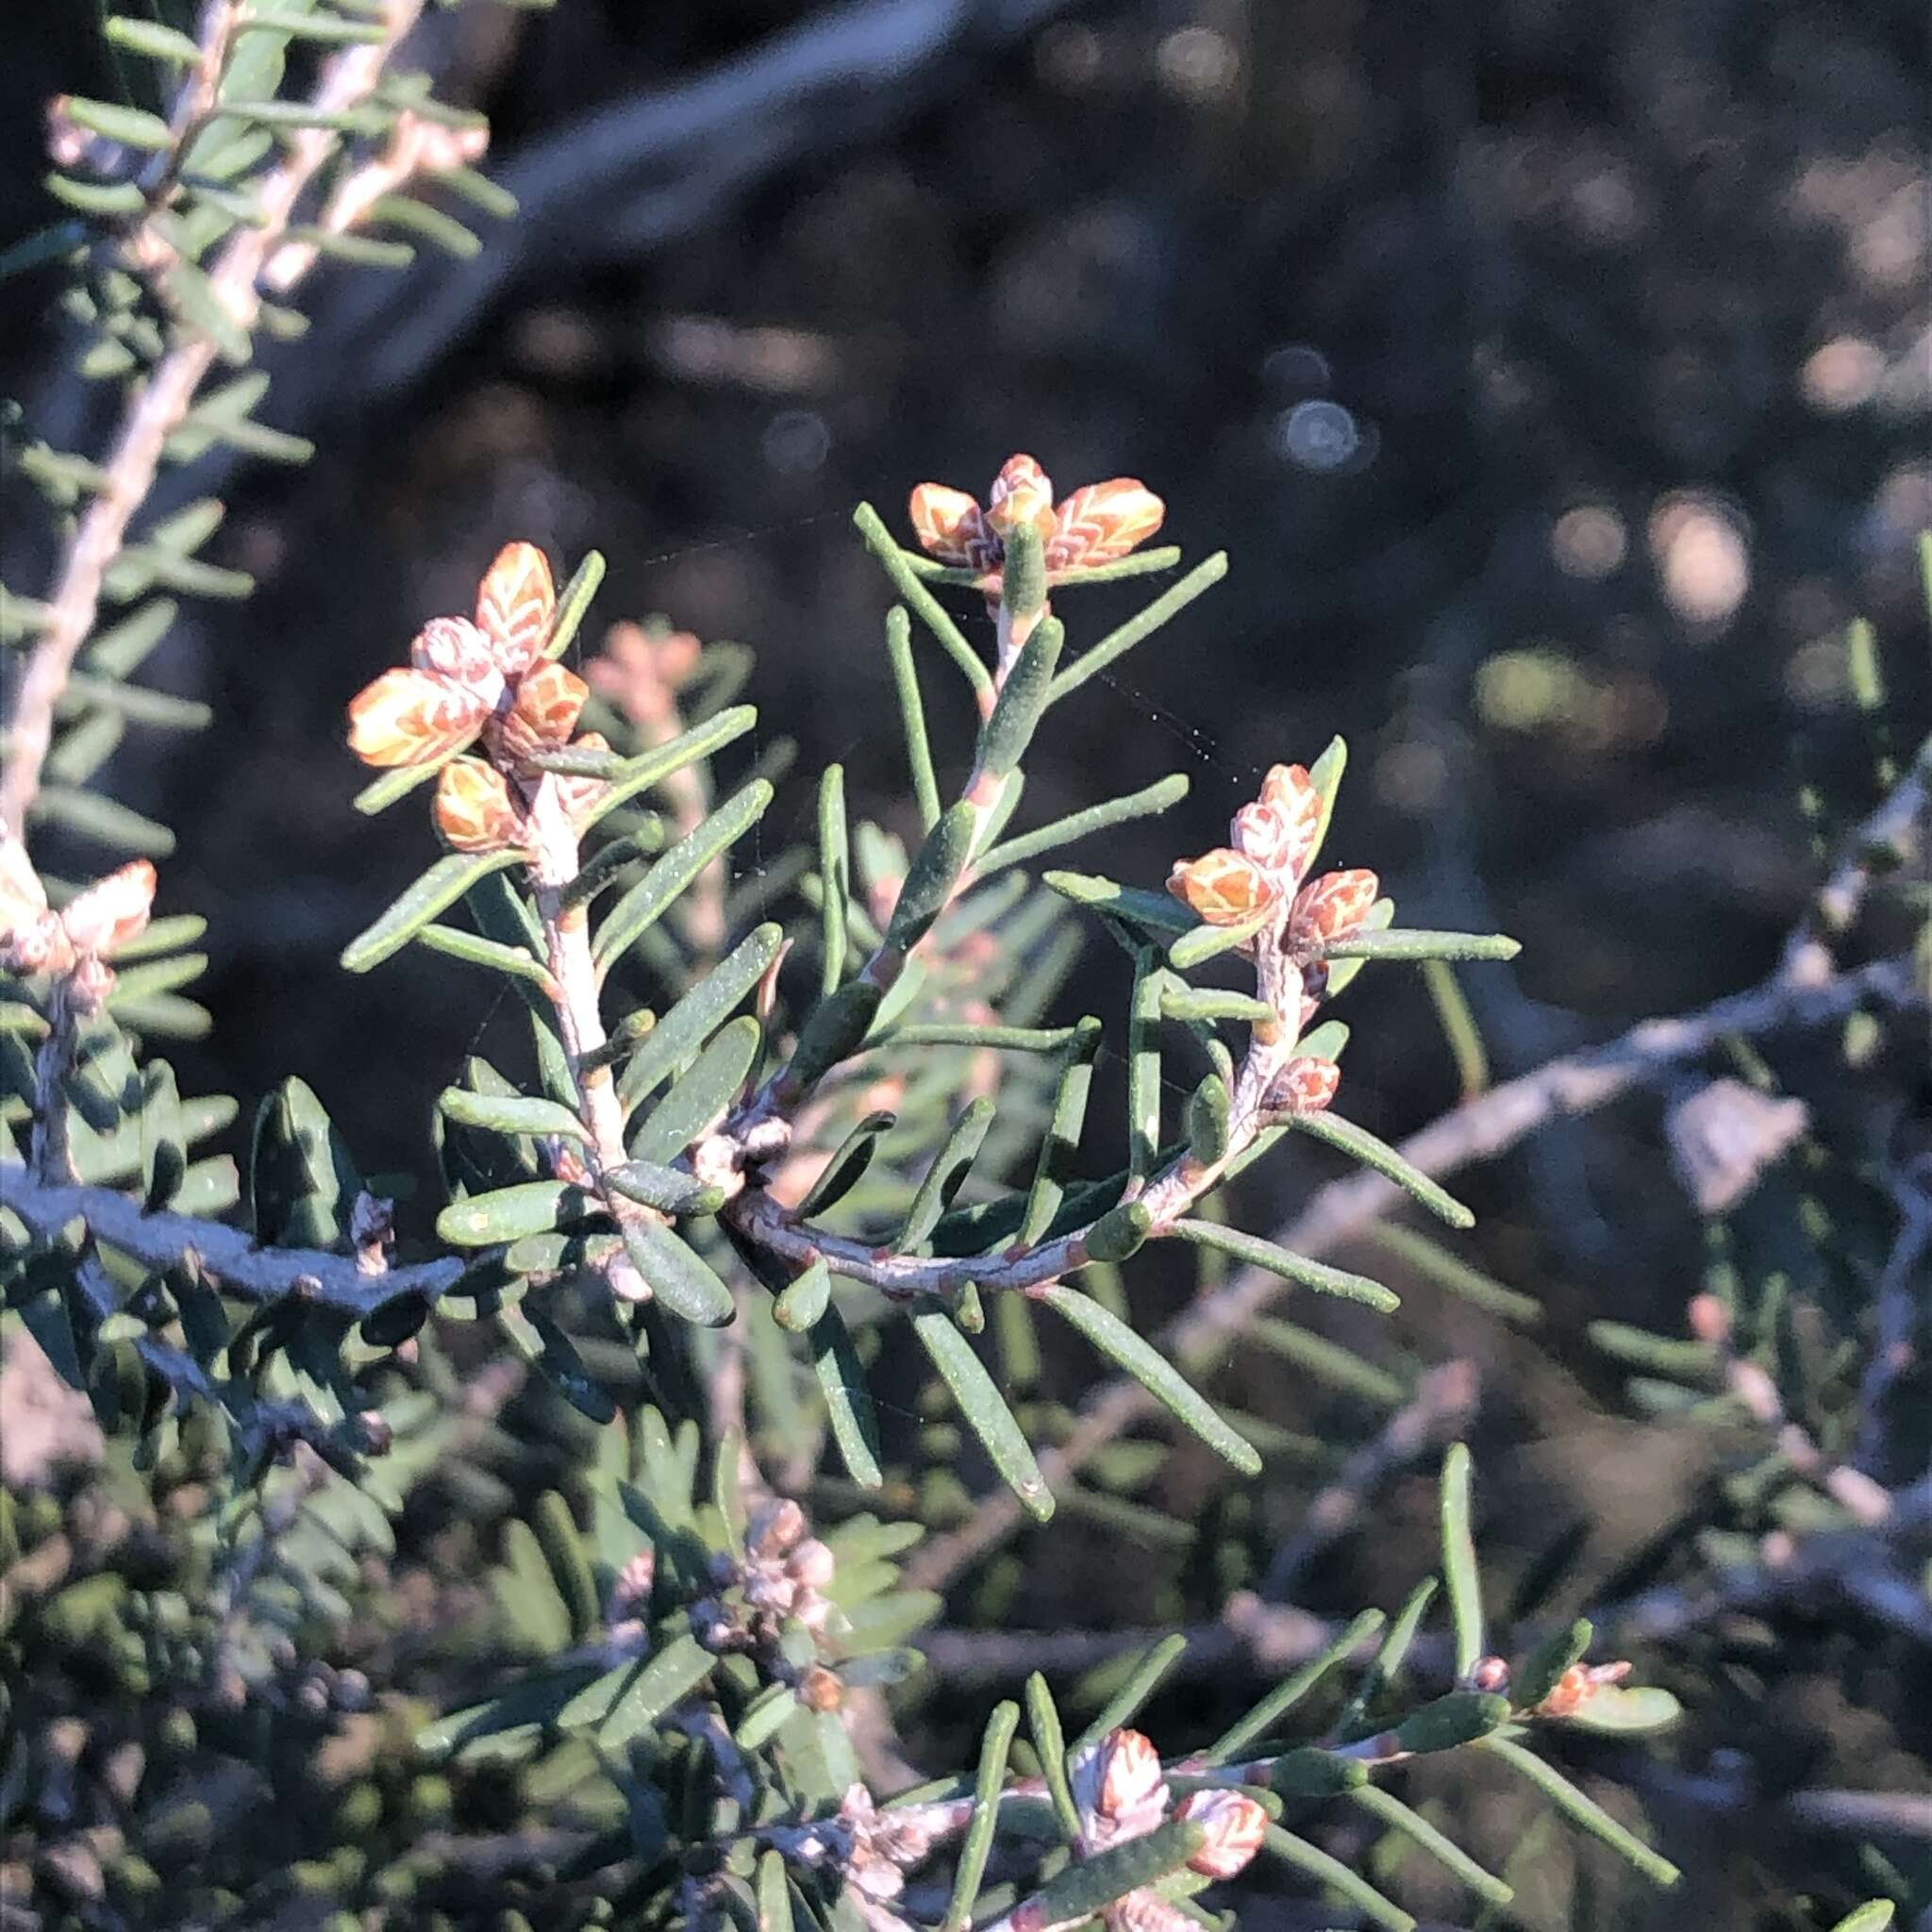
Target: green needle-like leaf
[
  {"x": 1361, "y": 1145},
  {"x": 1154, "y": 1373},
  {"x": 984, "y": 1410},
  {"x": 511, "y": 1213},
  {"x": 933, "y": 876},
  {"x": 835, "y": 872},
  {"x": 1390, "y": 1811},
  {"x": 925, "y": 786},
  {"x": 653, "y": 767},
  {"x": 1397, "y": 943},
  {"x": 977, "y": 1843},
  {"x": 1144, "y": 1064},
  {"x": 506, "y": 1113},
  {"x": 1260, "y": 1252},
  {"x": 439, "y": 888},
  {"x": 848, "y": 1403},
  {"x": 700, "y": 1095},
  {"x": 681, "y": 1279},
  {"x": 945, "y": 1176},
  {"x": 1060, "y": 1147},
  {"x": 1125, "y": 1704},
  {"x": 681, "y": 1033},
  {"x": 1145, "y": 803},
  {"x": 668, "y": 1189},
  {"x": 1089, "y": 1885},
  {"x": 1137, "y": 629},
  {"x": 1286, "y": 1696},
  {"x": 1050, "y": 1747},
  {"x": 1459, "y": 1559},
  {"x": 647, "y": 901},
  {"x": 1022, "y": 700},
  {"x": 1582, "y": 1810},
  {"x": 878, "y": 539},
  {"x": 848, "y": 1166}
]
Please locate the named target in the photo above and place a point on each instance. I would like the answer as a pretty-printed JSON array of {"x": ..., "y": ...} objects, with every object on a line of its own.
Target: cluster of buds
[
  {"x": 488, "y": 680},
  {"x": 74, "y": 944},
  {"x": 1122, "y": 1792},
  {"x": 1578, "y": 1684},
  {"x": 1259, "y": 879},
  {"x": 641, "y": 672},
  {"x": 1100, "y": 522},
  {"x": 775, "y": 1592}
]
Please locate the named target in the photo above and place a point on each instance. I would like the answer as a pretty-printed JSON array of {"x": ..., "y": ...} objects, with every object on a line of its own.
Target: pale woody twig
[
  {"x": 1478, "y": 1130},
  {"x": 158, "y": 406}
]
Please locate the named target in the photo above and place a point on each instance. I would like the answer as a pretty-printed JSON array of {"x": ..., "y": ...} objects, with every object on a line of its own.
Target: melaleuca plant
[{"x": 737, "y": 1164}]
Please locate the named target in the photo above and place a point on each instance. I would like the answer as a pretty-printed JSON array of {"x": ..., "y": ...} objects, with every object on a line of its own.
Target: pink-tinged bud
[
  {"x": 112, "y": 910},
  {"x": 1290, "y": 791},
  {"x": 474, "y": 810},
  {"x": 1118, "y": 1788},
  {"x": 773, "y": 1527},
  {"x": 811, "y": 1564},
  {"x": 1235, "y": 1825},
  {"x": 1022, "y": 495},
  {"x": 1261, "y": 833},
  {"x": 1304, "y": 1086},
  {"x": 1709, "y": 1317},
  {"x": 952, "y": 528},
  {"x": 1331, "y": 908},
  {"x": 1224, "y": 886},
  {"x": 1578, "y": 1684},
  {"x": 455, "y": 648},
  {"x": 631, "y": 1592},
  {"x": 1489, "y": 1673},
  {"x": 516, "y": 606},
  {"x": 1100, "y": 522}
]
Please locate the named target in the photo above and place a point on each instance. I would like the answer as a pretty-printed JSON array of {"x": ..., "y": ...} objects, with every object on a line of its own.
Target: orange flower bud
[
  {"x": 1331, "y": 908},
  {"x": 1102, "y": 522},
  {"x": 1224, "y": 886},
  {"x": 952, "y": 528},
  {"x": 455, "y": 648},
  {"x": 1022, "y": 493},
  {"x": 1118, "y": 1788},
  {"x": 516, "y": 606},
  {"x": 112, "y": 910},
  {"x": 1304, "y": 1086},
  {"x": 473, "y": 808},
  {"x": 1291, "y": 793},
  {"x": 545, "y": 712},
  {"x": 413, "y": 718},
  {"x": 1235, "y": 1825}
]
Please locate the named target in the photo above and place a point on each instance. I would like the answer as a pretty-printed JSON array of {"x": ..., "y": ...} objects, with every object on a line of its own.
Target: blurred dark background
[{"x": 1556, "y": 379}]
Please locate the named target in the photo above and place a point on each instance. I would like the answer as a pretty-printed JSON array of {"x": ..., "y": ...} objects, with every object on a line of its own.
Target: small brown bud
[{"x": 820, "y": 1689}]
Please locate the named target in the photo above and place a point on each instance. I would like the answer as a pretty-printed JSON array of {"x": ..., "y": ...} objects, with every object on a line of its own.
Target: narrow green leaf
[
  {"x": 925, "y": 786},
  {"x": 1159, "y": 1377},
  {"x": 1210, "y": 1003},
  {"x": 1627, "y": 1710},
  {"x": 149, "y": 37},
  {"x": 1313, "y": 1862},
  {"x": 1137, "y": 629},
  {"x": 121, "y": 648},
  {"x": 104, "y": 819},
  {"x": 802, "y": 1305},
  {"x": 1260, "y": 1252},
  {"x": 984, "y": 1410},
  {"x": 1125, "y": 1704},
  {"x": 647, "y": 901},
  {"x": 1208, "y": 1121},
  {"x": 474, "y": 950},
  {"x": 653, "y": 767},
  {"x": 665, "y": 1681},
  {"x": 1287, "y": 1695},
  {"x": 668, "y": 1189},
  {"x": 1874, "y": 1915},
  {"x": 838, "y": 1027},
  {"x": 1060, "y": 1147},
  {"x": 1538, "y": 1674},
  {"x": 1022, "y": 700},
  {"x": 1143, "y": 1065},
  {"x": 1459, "y": 1559},
  {"x": 128, "y": 126},
  {"x": 1205, "y": 942},
  {"x": 774, "y": 1894},
  {"x": 1582, "y": 1810},
  {"x": 1397, "y": 943},
  {"x": 848, "y": 1403},
  {"x": 945, "y": 1176},
  {"x": 1325, "y": 776},
  {"x": 1390, "y": 1811},
  {"x": 1089, "y": 1885},
  {"x": 701, "y": 1094},
  {"x": 1391, "y": 1653},
  {"x": 1451, "y": 1721},
  {"x": 1145, "y": 803},
  {"x": 977, "y": 1843},
  {"x": 698, "y": 1014},
  {"x": 835, "y": 871},
  {"x": 848, "y": 1166},
  {"x": 504, "y": 1113},
  {"x": 1049, "y": 1746},
  {"x": 430, "y": 224},
  {"x": 381, "y": 794},
  {"x": 508, "y": 1214},
  {"x": 1448, "y": 1271},
  {"x": 933, "y": 876},
  {"x": 1154, "y": 912},
  {"x": 1360, "y": 1145},
  {"x": 680, "y": 1278},
  {"x": 98, "y": 198},
  {"x": 574, "y": 603},
  {"x": 878, "y": 539},
  {"x": 439, "y": 888}
]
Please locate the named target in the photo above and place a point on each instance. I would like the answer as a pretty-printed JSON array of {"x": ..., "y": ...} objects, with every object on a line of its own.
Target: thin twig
[
  {"x": 161, "y": 1241},
  {"x": 1478, "y": 1130},
  {"x": 158, "y": 408}
]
